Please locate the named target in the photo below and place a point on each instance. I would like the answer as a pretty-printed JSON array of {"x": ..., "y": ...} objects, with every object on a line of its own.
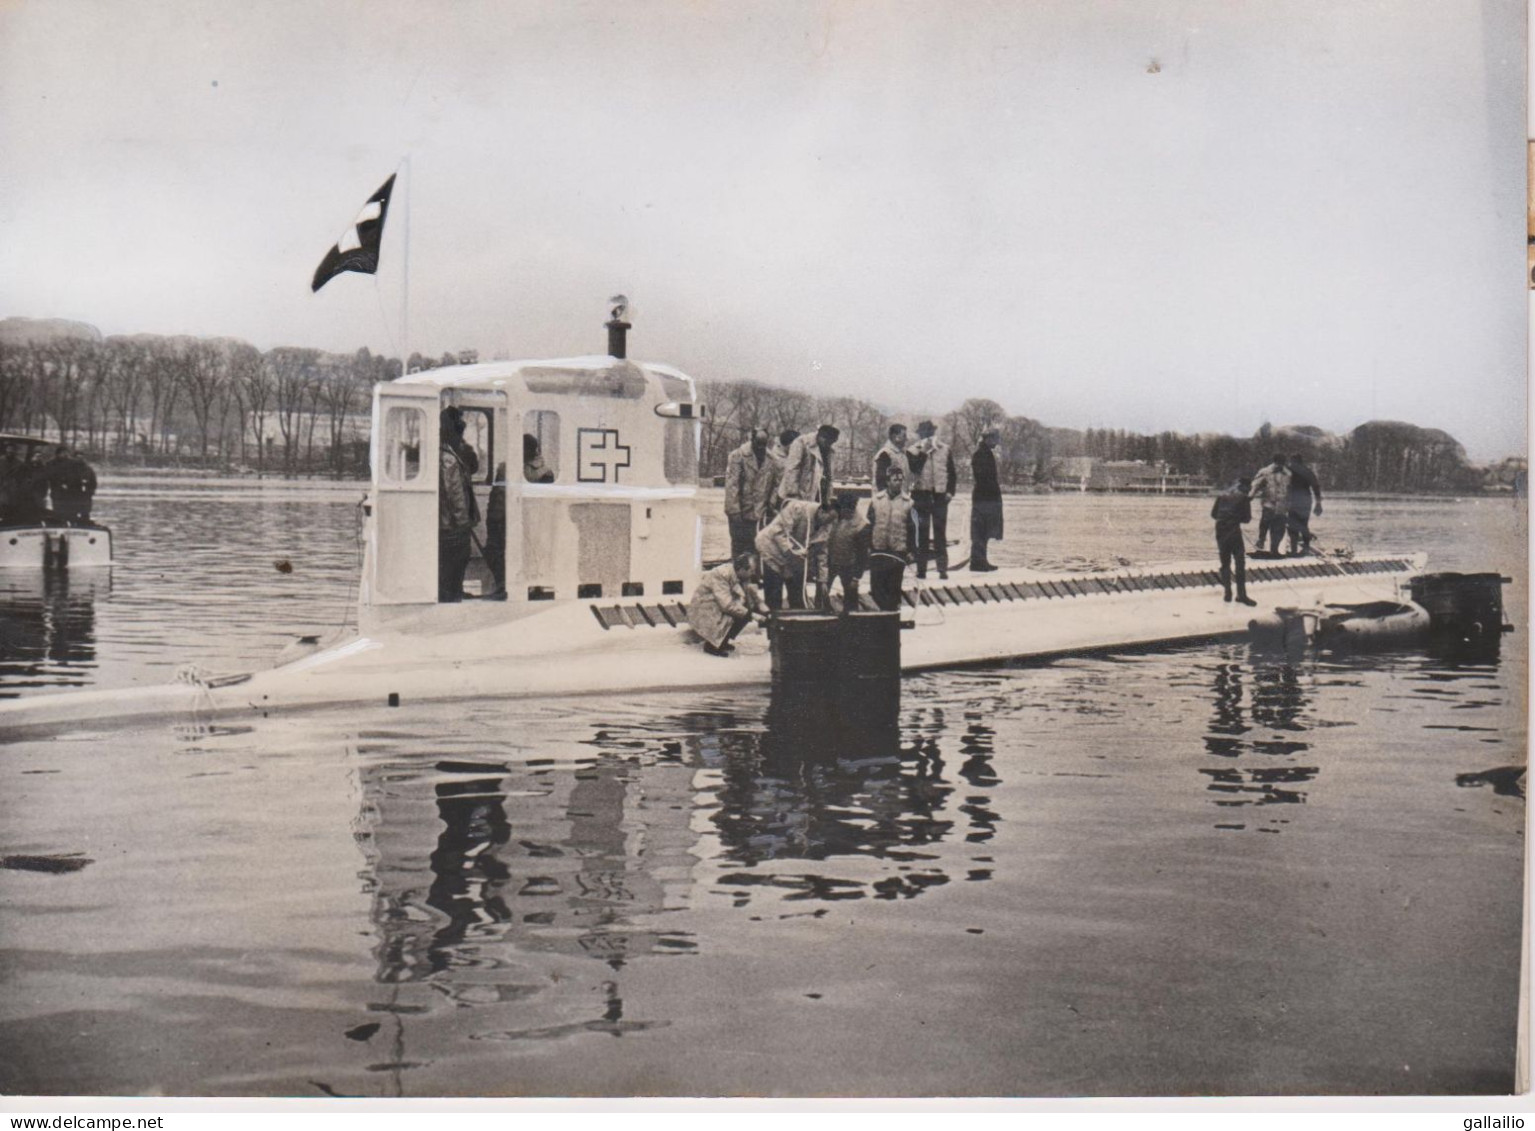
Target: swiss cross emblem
[{"x": 597, "y": 453}]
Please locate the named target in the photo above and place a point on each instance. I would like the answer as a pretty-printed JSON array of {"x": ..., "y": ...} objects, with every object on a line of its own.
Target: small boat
[
  {"x": 580, "y": 586},
  {"x": 1372, "y": 623},
  {"x": 33, "y": 537}
]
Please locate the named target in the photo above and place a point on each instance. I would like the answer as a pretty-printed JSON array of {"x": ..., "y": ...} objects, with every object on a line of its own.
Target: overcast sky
[{"x": 1152, "y": 214}]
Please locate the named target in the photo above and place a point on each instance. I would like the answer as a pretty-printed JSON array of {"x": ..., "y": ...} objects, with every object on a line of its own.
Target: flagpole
[{"x": 405, "y": 290}]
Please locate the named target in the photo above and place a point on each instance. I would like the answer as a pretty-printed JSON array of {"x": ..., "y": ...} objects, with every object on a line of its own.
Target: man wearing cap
[
  {"x": 751, "y": 473},
  {"x": 932, "y": 487},
  {"x": 808, "y": 466}
]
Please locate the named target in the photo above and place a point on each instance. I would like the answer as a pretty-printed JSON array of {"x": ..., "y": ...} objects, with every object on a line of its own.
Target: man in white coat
[{"x": 724, "y": 603}]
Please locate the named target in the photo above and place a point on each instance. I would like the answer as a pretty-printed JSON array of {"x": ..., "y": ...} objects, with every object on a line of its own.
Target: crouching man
[{"x": 724, "y": 603}]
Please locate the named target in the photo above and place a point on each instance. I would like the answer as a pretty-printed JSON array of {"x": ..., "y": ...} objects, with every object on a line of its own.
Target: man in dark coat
[
  {"x": 1303, "y": 485},
  {"x": 1231, "y": 509},
  {"x": 457, "y": 511},
  {"x": 985, "y": 501},
  {"x": 72, "y": 485}
]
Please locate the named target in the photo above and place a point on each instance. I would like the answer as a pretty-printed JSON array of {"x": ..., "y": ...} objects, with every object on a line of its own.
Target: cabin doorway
[{"x": 472, "y": 562}]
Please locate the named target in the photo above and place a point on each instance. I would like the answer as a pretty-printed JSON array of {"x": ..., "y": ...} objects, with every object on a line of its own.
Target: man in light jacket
[
  {"x": 751, "y": 474},
  {"x": 808, "y": 466},
  {"x": 892, "y": 454},
  {"x": 932, "y": 487},
  {"x": 892, "y": 537},
  {"x": 792, "y": 548},
  {"x": 1271, "y": 487},
  {"x": 724, "y": 603}
]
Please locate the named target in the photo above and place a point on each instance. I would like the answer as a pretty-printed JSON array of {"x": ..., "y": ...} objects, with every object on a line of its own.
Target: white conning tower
[{"x": 620, "y": 442}]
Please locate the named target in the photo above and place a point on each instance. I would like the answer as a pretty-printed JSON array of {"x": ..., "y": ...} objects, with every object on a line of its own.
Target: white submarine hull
[{"x": 593, "y": 648}]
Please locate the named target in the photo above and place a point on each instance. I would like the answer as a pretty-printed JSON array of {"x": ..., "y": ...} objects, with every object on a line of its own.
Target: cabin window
[
  {"x": 540, "y": 446},
  {"x": 402, "y": 443},
  {"x": 478, "y": 435},
  {"x": 620, "y": 381},
  {"x": 681, "y": 452}
]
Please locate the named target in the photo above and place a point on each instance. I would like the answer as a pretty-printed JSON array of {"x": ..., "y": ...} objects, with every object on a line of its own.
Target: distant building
[{"x": 1086, "y": 473}]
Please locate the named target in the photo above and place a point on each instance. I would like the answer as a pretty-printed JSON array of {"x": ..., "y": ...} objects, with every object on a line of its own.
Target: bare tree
[
  {"x": 126, "y": 375},
  {"x": 973, "y": 419},
  {"x": 293, "y": 375},
  {"x": 203, "y": 371},
  {"x": 341, "y": 393},
  {"x": 17, "y": 388}
]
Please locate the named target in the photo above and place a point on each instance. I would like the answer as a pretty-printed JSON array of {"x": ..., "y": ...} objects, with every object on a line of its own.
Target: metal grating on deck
[
  {"x": 971, "y": 593},
  {"x": 640, "y": 616}
]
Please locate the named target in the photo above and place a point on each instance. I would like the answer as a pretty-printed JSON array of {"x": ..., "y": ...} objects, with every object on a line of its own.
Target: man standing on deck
[
  {"x": 985, "y": 501},
  {"x": 1303, "y": 485},
  {"x": 892, "y": 454},
  {"x": 1231, "y": 509},
  {"x": 808, "y": 467},
  {"x": 71, "y": 486},
  {"x": 793, "y": 548},
  {"x": 457, "y": 512},
  {"x": 751, "y": 473},
  {"x": 932, "y": 487},
  {"x": 1271, "y": 487},
  {"x": 892, "y": 536}
]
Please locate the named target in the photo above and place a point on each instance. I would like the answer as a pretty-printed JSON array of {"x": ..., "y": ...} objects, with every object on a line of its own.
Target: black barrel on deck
[
  {"x": 871, "y": 645},
  {"x": 1465, "y": 604},
  {"x": 806, "y": 646}
]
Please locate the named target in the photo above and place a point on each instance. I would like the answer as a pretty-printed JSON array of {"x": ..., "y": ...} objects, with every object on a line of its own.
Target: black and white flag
[{"x": 357, "y": 250}]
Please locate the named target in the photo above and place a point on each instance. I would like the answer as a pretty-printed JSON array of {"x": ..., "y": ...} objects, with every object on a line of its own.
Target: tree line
[
  {"x": 222, "y": 403},
  {"x": 213, "y": 403},
  {"x": 1378, "y": 456}
]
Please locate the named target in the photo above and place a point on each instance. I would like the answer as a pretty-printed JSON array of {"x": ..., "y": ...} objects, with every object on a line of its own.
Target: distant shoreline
[{"x": 134, "y": 471}]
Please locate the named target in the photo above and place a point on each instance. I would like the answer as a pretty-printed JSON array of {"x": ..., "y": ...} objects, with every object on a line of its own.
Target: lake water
[{"x": 1186, "y": 871}]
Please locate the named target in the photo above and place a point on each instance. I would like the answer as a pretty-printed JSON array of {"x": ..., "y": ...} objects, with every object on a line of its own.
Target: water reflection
[
  {"x": 523, "y": 861},
  {"x": 1254, "y": 695},
  {"x": 48, "y": 627},
  {"x": 476, "y": 865}
]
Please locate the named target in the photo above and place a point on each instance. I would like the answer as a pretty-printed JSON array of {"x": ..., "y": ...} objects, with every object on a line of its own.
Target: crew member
[
  {"x": 847, "y": 552},
  {"x": 1303, "y": 485},
  {"x": 985, "y": 500},
  {"x": 892, "y": 537},
  {"x": 751, "y": 474},
  {"x": 457, "y": 512},
  {"x": 534, "y": 470},
  {"x": 892, "y": 454},
  {"x": 1233, "y": 507},
  {"x": 792, "y": 547},
  {"x": 1271, "y": 487},
  {"x": 932, "y": 487},
  {"x": 724, "y": 603},
  {"x": 71, "y": 486},
  {"x": 808, "y": 466},
  {"x": 495, "y": 532}
]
